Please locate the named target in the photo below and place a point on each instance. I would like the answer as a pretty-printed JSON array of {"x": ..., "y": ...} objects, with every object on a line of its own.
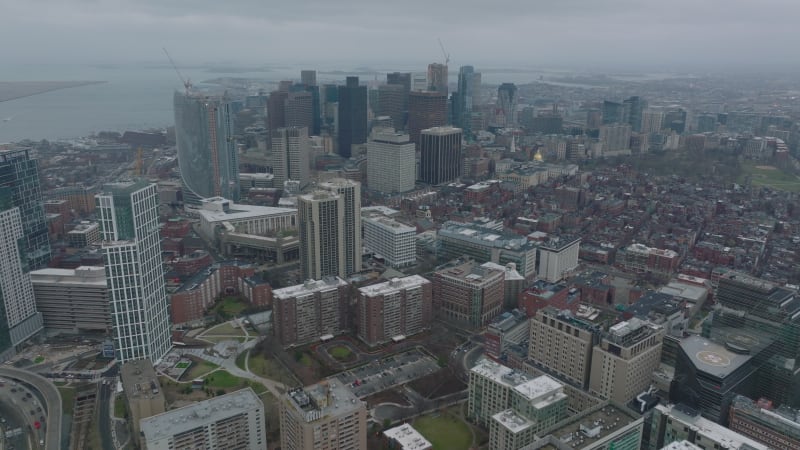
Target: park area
[
  {"x": 768, "y": 176},
  {"x": 445, "y": 431}
]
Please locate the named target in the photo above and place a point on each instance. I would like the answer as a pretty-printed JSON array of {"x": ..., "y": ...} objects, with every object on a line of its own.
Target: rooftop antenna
[
  {"x": 187, "y": 83},
  {"x": 444, "y": 52}
]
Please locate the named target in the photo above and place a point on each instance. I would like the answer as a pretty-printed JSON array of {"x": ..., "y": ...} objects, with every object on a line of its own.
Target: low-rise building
[
  {"x": 510, "y": 328},
  {"x": 557, "y": 257},
  {"x": 84, "y": 234},
  {"x": 74, "y": 300},
  {"x": 607, "y": 426},
  {"x": 671, "y": 423},
  {"x": 404, "y": 437},
  {"x": 486, "y": 245},
  {"x": 234, "y": 420},
  {"x": 778, "y": 428},
  {"x": 142, "y": 392},
  {"x": 391, "y": 240}
]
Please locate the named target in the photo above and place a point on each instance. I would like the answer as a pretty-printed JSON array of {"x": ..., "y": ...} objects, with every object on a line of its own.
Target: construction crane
[
  {"x": 444, "y": 52},
  {"x": 187, "y": 83}
]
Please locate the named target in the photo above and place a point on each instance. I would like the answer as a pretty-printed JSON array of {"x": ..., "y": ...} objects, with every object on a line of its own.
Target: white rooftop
[
  {"x": 213, "y": 210},
  {"x": 499, "y": 373},
  {"x": 385, "y": 210},
  {"x": 309, "y": 287},
  {"x": 512, "y": 421},
  {"x": 712, "y": 430},
  {"x": 408, "y": 438},
  {"x": 83, "y": 275},
  {"x": 393, "y": 285},
  {"x": 511, "y": 273},
  {"x": 681, "y": 445},
  {"x": 391, "y": 225},
  {"x": 209, "y": 411},
  {"x": 539, "y": 388}
]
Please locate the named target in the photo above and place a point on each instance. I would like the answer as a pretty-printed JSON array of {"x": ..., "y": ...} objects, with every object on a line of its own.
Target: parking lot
[{"x": 385, "y": 373}]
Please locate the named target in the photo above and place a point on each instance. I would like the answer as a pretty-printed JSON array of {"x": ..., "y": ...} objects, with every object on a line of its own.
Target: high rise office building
[
  {"x": 20, "y": 173},
  {"x": 330, "y": 230},
  {"x": 352, "y": 116},
  {"x": 207, "y": 155},
  {"x": 290, "y": 155},
  {"x": 308, "y": 77},
  {"x": 469, "y": 85},
  {"x": 425, "y": 110},
  {"x": 393, "y": 102},
  {"x": 19, "y": 319},
  {"x": 131, "y": 249},
  {"x": 507, "y": 105},
  {"x": 441, "y": 159},
  {"x": 469, "y": 293},
  {"x": 633, "y": 108},
  {"x": 613, "y": 112},
  {"x": 652, "y": 120},
  {"x": 391, "y": 162},
  {"x": 299, "y": 109},
  {"x": 276, "y": 109},
  {"x": 437, "y": 78}
]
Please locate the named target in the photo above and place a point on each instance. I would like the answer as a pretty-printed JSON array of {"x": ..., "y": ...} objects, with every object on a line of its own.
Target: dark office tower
[
  {"x": 20, "y": 173},
  {"x": 299, "y": 109},
  {"x": 750, "y": 346},
  {"x": 613, "y": 112},
  {"x": 390, "y": 103},
  {"x": 632, "y": 108},
  {"x": 675, "y": 120},
  {"x": 441, "y": 159},
  {"x": 308, "y": 77},
  {"x": 403, "y": 79},
  {"x": 207, "y": 155},
  {"x": 276, "y": 110},
  {"x": 437, "y": 78},
  {"x": 425, "y": 110},
  {"x": 706, "y": 123},
  {"x": 352, "y": 116},
  {"x": 330, "y": 102},
  {"x": 507, "y": 105},
  {"x": 463, "y": 100}
]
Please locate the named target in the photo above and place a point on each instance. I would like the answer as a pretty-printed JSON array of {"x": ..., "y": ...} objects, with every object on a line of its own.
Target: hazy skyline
[{"x": 536, "y": 32}]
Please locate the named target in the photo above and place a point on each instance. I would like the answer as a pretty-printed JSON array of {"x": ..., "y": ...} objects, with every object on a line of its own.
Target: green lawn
[
  {"x": 67, "y": 399},
  {"x": 39, "y": 359},
  {"x": 269, "y": 368},
  {"x": 445, "y": 432},
  {"x": 182, "y": 365},
  {"x": 119, "y": 406},
  {"x": 231, "y": 306},
  {"x": 223, "y": 379},
  {"x": 769, "y": 176},
  {"x": 340, "y": 352},
  {"x": 198, "y": 369}
]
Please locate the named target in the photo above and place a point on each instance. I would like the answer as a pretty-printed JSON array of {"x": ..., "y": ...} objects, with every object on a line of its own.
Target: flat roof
[
  {"x": 390, "y": 224},
  {"x": 710, "y": 429},
  {"x": 385, "y": 210},
  {"x": 237, "y": 211},
  {"x": 310, "y": 286},
  {"x": 408, "y": 438},
  {"x": 176, "y": 421},
  {"x": 394, "y": 285},
  {"x": 534, "y": 389},
  {"x": 711, "y": 357},
  {"x": 328, "y": 397},
  {"x": 681, "y": 445},
  {"x": 582, "y": 430},
  {"x": 83, "y": 275},
  {"x": 512, "y": 421}
]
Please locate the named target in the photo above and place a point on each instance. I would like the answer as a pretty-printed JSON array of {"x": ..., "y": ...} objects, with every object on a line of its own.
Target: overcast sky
[{"x": 546, "y": 33}]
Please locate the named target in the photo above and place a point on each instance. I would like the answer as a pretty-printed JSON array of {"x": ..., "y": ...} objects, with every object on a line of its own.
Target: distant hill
[{"x": 10, "y": 90}]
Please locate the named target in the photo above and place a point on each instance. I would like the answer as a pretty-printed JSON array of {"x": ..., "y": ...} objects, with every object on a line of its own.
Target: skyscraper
[
  {"x": 425, "y": 110},
  {"x": 441, "y": 159},
  {"x": 391, "y": 162},
  {"x": 330, "y": 230},
  {"x": 308, "y": 77},
  {"x": 207, "y": 156},
  {"x": 463, "y": 100},
  {"x": 20, "y": 173},
  {"x": 290, "y": 155},
  {"x": 613, "y": 112},
  {"x": 276, "y": 110},
  {"x": 299, "y": 109},
  {"x": 393, "y": 102},
  {"x": 633, "y": 108},
  {"x": 131, "y": 249},
  {"x": 437, "y": 78},
  {"x": 19, "y": 319},
  {"x": 506, "y": 105},
  {"x": 352, "y": 116}
]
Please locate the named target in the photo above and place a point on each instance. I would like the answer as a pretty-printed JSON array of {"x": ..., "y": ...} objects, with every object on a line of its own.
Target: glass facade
[
  {"x": 20, "y": 173},
  {"x": 207, "y": 154}
]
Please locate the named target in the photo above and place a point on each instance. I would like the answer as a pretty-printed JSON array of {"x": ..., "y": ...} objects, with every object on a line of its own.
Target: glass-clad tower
[
  {"x": 131, "y": 246},
  {"x": 207, "y": 155},
  {"x": 20, "y": 173},
  {"x": 19, "y": 319}
]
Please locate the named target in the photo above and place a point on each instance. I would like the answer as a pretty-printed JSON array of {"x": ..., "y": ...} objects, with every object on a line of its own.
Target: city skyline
[{"x": 151, "y": 25}]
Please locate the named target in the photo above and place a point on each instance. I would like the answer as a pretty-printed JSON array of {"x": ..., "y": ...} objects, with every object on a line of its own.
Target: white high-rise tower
[{"x": 132, "y": 251}]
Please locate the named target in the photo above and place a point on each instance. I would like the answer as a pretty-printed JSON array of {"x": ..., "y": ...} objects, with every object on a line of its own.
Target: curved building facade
[{"x": 207, "y": 155}]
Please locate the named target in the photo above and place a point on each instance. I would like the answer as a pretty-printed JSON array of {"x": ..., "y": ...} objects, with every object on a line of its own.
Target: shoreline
[{"x": 31, "y": 88}]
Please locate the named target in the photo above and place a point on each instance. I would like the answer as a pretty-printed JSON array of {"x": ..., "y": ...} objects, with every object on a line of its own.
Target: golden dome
[{"x": 538, "y": 156}]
